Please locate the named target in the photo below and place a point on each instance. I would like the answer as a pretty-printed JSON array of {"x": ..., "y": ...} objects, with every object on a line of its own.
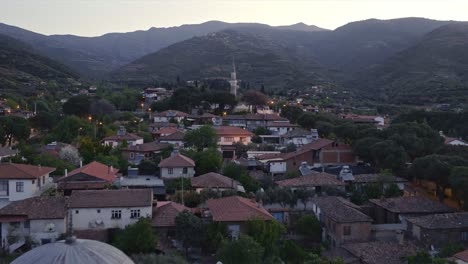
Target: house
[
  {"x": 135, "y": 154},
  {"x": 397, "y": 210},
  {"x": 453, "y": 141},
  {"x": 280, "y": 127},
  {"x": 309, "y": 153},
  {"x": 205, "y": 118},
  {"x": 163, "y": 131},
  {"x": 156, "y": 94},
  {"x": 215, "y": 181},
  {"x": 164, "y": 214},
  {"x": 437, "y": 229},
  {"x": 135, "y": 181},
  {"x": 342, "y": 221},
  {"x": 21, "y": 181},
  {"x": 252, "y": 121},
  {"x": 175, "y": 139},
  {"x": 230, "y": 135},
  {"x": 235, "y": 212},
  {"x": 273, "y": 163},
  {"x": 123, "y": 136},
  {"x": 169, "y": 115},
  {"x": 53, "y": 148},
  {"x": 300, "y": 137},
  {"x": 362, "y": 180},
  {"x": 92, "y": 176},
  {"x": 7, "y": 153},
  {"x": 313, "y": 181},
  {"x": 379, "y": 252},
  {"x": 177, "y": 166},
  {"x": 105, "y": 209},
  {"x": 337, "y": 154},
  {"x": 43, "y": 219}
]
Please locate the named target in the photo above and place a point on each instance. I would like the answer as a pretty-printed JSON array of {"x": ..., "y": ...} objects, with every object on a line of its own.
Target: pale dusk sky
[{"x": 97, "y": 17}]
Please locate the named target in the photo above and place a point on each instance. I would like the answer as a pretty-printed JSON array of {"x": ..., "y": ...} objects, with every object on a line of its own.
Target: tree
[
  {"x": 303, "y": 194},
  {"x": 147, "y": 167},
  {"x": 262, "y": 131},
  {"x": 292, "y": 253},
  {"x": 13, "y": 128},
  {"x": 424, "y": 257},
  {"x": 267, "y": 234},
  {"x": 309, "y": 226},
  {"x": 459, "y": 181},
  {"x": 160, "y": 259},
  {"x": 77, "y": 105},
  {"x": 204, "y": 137},
  {"x": 292, "y": 112},
  {"x": 71, "y": 155},
  {"x": 222, "y": 99},
  {"x": 241, "y": 175},
  {"x": 216, "y": 233},
  {"x": 44, "y": 120},
  {"x": 101, "y": 108},
  {"x": 69, "y": 128},
  {"x": 208, "y": 160},
  {"x": 244, "y": 250},
  {"x": 255, "y": 99},
  {"x": 190, "y": 230},
  {"x": 137, "y": 238}
]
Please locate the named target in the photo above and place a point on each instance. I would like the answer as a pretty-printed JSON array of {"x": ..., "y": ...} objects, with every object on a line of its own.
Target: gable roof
[
  {"x": 441, "y": 221},
  {"x": 147, "y": 147},
  {"x": 315, "y": 145},
  {"x": 236, "y": 209},
  {"x": 314, "y": 179},
  {"x": 37, "y": 208},
  {"x": 111, "y": 198},
  {"x": 280, "y": 124},
  {"x": 373, "y": 177},
  {"x": 165, "y": 131},
  {"x": 222, "y": 131},
  {"x": 297, "y": 132},
  {"x": 165, "y": 212},
  {"x": 214, "y": 180},
  {"x": 177, "y": 160},
  {"x": 23, "y": 171},
  {"x": 171, "y": 113},
  {"x": 176, "y": 136},
  {"x": 412, "y": 204},
  {"x": 463, "y": 256},
  {"x": 447, "y": 140},
  {"x": 378, "y": 252},
  {"x": 94, "y": 169},
  {"x": 340, "y": 210}
]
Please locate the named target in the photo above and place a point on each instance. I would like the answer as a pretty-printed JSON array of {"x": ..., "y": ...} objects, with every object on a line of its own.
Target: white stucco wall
[
  {"x": 30, "y": 190},
  {"x": 277, "y": 166},
  {"x": 177, "y": 172},
  {"x": 38, "y": 229},
  {"x": 86, "y": 217},
  {"x": 223, "y": 141}
]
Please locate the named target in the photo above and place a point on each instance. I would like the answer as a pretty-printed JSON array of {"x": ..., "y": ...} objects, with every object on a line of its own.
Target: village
[{"x": 280, "y": 180}]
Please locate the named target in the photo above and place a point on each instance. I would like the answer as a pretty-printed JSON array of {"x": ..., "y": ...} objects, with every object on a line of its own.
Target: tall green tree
[
  {"x": 190, "y": 230},
  {"x": 77, "y": 105},
  {"x": 13, "y": 128},
  {"x": 267, "y": 234},
  {"x": 137, "y": 238},
  {"x": 292, "y": 112},
  {"x": 243, "y": 250},
  {"x": 204, "y": 137},
  {"x": 459, "y": 181}
]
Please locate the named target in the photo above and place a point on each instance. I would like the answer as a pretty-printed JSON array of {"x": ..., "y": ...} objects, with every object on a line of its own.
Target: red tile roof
[
  {"x": 176, "y": 136},
  {"x": 463, "y": 256},
  {"x": 23, "y": 171},
  {"x": 232, "y": 131},
  {"x": 165, "y": 213},
  {"x": 412, "y": 204},
  {"x": 111, "y": 198},
  {"x": 316, "y": 145},
  {"x": 95, "y": 169},
  {"x": 164, "y": 131},
  {"x": 236, "y": 209},
  {"x": 127, "y": 137},
  {"x": 177, "y": 160},
  {"x": 147, "y": 147},
  {"x": 315, "y": 179},
  {"x": 280, "y": 124},
  {"x": 447, "y": 140},
  {"x": 379, "y": 252},
  {"x": 171, "y": 113},
  {"x": 37, "y": 208},
  {"x": 214, "y": 180}
]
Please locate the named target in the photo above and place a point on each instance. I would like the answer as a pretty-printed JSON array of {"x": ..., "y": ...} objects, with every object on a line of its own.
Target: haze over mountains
[{"x": 384, "y": 59}]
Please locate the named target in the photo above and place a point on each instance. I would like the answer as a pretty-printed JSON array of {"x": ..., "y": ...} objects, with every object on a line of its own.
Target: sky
[{"x": 97, "y": 17}]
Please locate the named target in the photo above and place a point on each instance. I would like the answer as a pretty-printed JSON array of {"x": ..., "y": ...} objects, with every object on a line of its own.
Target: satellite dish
[
  {"x": 50, "y": 227},
  {"x": 217, "y": 121}
]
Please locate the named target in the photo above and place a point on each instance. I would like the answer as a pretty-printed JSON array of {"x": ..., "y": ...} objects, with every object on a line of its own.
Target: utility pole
[{"x": 182, "y": 178}]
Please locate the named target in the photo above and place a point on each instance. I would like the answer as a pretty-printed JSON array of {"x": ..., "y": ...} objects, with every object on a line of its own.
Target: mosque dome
[{"x": 74, "y": 251}]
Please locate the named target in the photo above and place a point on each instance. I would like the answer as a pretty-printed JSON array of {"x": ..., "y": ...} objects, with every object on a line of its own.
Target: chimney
[
  {"x": 66, "y": 172},
  {"x": 81, "y": 163}
]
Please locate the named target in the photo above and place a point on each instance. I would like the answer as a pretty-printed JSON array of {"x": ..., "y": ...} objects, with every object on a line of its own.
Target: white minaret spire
[{"x": 233, "y": 82}]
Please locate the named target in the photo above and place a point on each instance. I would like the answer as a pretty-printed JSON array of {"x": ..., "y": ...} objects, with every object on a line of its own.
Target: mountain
[
  {"x": 432, "y": 71},
  {"x": 259, "y": 60},
  {"x": 21, "y": 70},
  {"x": 302, "y": 27}
]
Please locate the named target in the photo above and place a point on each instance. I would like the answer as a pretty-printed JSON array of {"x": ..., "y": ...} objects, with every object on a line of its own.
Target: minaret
[{"x": 233, "y": 81}]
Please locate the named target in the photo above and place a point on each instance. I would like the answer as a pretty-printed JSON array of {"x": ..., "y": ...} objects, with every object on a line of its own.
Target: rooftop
[
  {"x": 373, "y": 177},
  {"x": 171, "y": 113},
  {"x": 37, "y": 208},
  {"x": 297, "y": 132},
  {"x": 412, "y": 204},
  {"x": 177, "y": 160},
  {"x": 147, "y": 147},
  {"x": 236, "y": 209},
  {"x": 379, "y": 252},
  {"x": 442, "y": 221},
  {"x": 463, "y": 256},
  {"x": 165, "y": 213},
  {"x": 314, "y": 179},
  {"x": 229, "y": 130},
  {"x": 340, "y": 209},
  {"x": 23, "y": 171},
  {"x": 95, "y": 169},
  {"x": 214, "y": 180},
  {"x": 127, "y": 137},
  {"x": 111, "y": 198},
  {"x": 176, "y": 136},
  {"x": 150, "y": 181}
]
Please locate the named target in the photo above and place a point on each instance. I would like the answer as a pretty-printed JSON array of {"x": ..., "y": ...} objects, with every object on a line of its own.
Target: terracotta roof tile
[
  {"x": 171, "y": 113},
  {"x": 463, "y": 256},
  {"x": 340, "y": 210},
  {"x": 230, "y": 131},
  {"x": 315, "y": 179},
  {"x": 236, "y": 209},
  {"x": 214, "y": 180},
  {"x": 23, "y": 171},
  {"x": 379, "y": 252},
  {"x": 164, "y": 213},
  {"x": 177, "y": 160},
  {"x": 412, "y": 204},
  {"x": 176, "y": 136},
  {"x": 127, "y": 137},
  {"x": 37, "y": 208},
  {"x": 111, "y": 198},
  {"x": 147, "y": 147},
  {"x": 95, "y": 169},
  {"x": 442, "y": 221},
  {"x": 316, "y": 145}
]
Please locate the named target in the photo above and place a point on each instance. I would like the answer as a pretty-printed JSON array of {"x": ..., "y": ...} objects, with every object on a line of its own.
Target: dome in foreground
[{"x": 74, "y": 251}]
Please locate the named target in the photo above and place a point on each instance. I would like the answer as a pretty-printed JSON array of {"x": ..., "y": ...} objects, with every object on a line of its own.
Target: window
[
  {"x": 77, "y": 212},
  {"x": 185, "y": 170},
  {"x": 464, "y": 236},
  {"x": 135, "y": 213},
  {"x": 132, "y": 155},
  {"x": 346, "y": 230},
  {"x": 170, "y": 170},
  {"x": 27, "y": 224},
  {"x": 20, "y": 187},
  {"x": 43, "y": 179},
  {"x": 116, "y": 214},
  {"x": 228, "y": 139},
  {"x": 33, "y": 181},
  {"x": 3, "y": 188},
  {"x": 98, "y": 211}
]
